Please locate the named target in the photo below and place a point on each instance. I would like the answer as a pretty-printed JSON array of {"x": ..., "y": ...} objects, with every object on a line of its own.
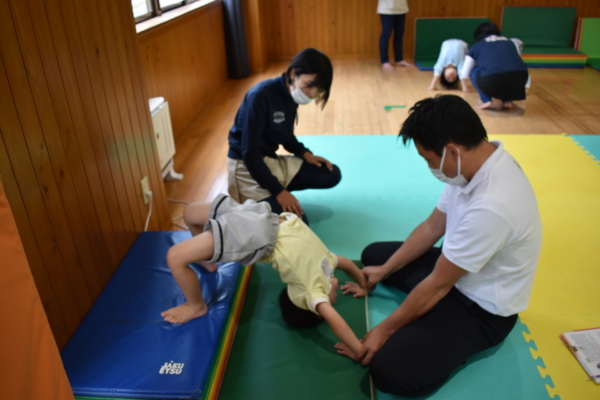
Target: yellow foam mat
[{"x": 566, "y": 291}]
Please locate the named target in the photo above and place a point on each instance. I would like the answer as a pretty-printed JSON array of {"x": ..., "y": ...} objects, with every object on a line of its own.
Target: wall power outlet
[{"x": 145, "y": 189}]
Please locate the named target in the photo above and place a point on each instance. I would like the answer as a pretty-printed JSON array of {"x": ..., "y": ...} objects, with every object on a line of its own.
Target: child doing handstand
[{"x": 225, "y": 231}]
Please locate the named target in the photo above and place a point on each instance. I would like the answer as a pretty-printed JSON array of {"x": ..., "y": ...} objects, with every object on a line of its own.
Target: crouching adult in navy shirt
[
  {"x": 500, "y": 72},
  {"x": 266, "y": 120},
  {"x": 465, "y": 296}
]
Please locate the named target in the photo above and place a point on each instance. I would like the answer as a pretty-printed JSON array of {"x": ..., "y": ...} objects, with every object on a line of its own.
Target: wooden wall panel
[
  {"x": 351, "y": 28},
  {"x": 185, "y": 62},
  {"x": 76, "y": 140},
  {"x": 256, "y": 35}
]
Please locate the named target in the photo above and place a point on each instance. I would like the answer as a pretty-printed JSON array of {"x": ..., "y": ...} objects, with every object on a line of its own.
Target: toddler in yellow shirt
[{"x": 225, "y": 231}]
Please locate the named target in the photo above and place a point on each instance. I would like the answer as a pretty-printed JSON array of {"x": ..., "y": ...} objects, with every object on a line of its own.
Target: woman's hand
[
  {"x": 316, "y": 160},
  {"x": 289, "y": 203},
  {"x": 353, "y": 287}
]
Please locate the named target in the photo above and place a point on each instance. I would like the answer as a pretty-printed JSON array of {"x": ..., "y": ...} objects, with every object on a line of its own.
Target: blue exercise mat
[{"x": 124, "y": 348}]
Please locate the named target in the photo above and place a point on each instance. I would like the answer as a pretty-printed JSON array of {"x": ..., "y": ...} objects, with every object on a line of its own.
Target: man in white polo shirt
[{"x": 464, "y": 297}]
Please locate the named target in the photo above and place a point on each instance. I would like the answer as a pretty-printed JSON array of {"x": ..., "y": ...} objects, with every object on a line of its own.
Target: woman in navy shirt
[
  {"x": 500, "y": 72},
  {"x": 266, "y": 120}
]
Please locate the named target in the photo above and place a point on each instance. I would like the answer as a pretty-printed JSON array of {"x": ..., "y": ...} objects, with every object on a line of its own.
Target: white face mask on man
[
  {"x": 458, "y": 180},
  {"x": 298, "y": 95}
]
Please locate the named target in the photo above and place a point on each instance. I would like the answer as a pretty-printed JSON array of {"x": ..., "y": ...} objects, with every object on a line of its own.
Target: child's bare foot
[
  {"x": 483, "y": 106},
  {"x": 210, "y": 267},
  {"x": 184, "y": 313},
  {"x": 387, "y": 66},
  {"x": 507, "y": 105},
  {"x": 404, "y": 64}
]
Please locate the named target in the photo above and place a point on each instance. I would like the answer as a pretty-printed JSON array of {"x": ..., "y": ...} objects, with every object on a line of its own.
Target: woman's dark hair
[
  {"x": 313, "y": 61},
  {"x": 295, "y": 316},
  {"x": 486, "y": 29},
  {"x": 436, "y": 121},
  {"x": 446, "y": 83}
]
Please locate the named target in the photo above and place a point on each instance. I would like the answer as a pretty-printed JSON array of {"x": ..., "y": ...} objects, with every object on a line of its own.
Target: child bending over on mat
[
  {"x": 225, "y": 231},
  {"x": 449, "y": 64}
]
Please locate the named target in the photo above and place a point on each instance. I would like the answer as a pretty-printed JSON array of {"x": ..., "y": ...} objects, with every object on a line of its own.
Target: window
[{"x": 145, "y": 9}]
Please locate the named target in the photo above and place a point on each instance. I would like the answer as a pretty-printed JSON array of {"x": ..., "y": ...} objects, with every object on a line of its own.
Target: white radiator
[{"x": 163, "y": 133}]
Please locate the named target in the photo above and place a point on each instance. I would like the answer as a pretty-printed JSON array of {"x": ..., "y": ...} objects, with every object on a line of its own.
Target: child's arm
[
  {"x": 434, "y": 83},
  {"x": 339, "y": 326},
  {"x": 356, "y": 274}
]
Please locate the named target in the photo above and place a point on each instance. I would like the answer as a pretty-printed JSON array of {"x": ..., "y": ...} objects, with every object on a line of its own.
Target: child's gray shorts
[{"x": 242, "y": 232}]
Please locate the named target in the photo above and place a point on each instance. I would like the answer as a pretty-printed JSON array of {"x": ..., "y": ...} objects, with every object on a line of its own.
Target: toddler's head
[
  {"x": 297, "y": 317},
  {"x": 449, "y": 77}
]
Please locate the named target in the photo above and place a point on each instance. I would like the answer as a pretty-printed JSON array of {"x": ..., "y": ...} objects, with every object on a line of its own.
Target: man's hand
[
  {"x": 372, "y": 343},
  {"x": 316, "y": 160},
  {"x": 353, "y": 287},
  {"x": 374, "y": 275},
  {"x": 289, "y": 203}
]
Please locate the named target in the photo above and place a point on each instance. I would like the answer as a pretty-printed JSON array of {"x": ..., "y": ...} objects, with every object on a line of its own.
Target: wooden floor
[{"x": 560, "y": 101}]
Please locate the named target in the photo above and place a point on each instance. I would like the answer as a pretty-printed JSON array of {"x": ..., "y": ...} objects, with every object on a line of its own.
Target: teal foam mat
[
  {"x": 590, "y": 143},
  {"x": 386, "y": 190}
]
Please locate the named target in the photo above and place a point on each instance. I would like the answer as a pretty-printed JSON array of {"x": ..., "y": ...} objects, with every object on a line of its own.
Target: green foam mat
[
  {"x": 431, "y": 32},
  {"x": 559, "y": 51},
  {"x": 539, "y": 26},
  {"x": 588, "y": 40},
  {"x": 506, "y": 371},
  {"x": 594, "y": 63},
  {"x": 271, "y": 361}
]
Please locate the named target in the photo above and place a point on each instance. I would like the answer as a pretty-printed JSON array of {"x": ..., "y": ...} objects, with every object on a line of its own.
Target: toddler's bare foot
[
  {"x": 404, "y": 64},
  {"x": 483, "y": 106},
  {"x": 387, "y": 66},
  {"x": 184, "y": 313},
  {"x": 210, "y": 267},
  {"x": 507, "y": 104}
]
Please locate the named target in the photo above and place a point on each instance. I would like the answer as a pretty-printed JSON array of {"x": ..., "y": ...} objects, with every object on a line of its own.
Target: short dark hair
[
  {"x": 313, "y": 61},
  {"x": 486, "y": 29},
  {"x": 436, "y": 121},
  {"x": 295, "y": 316},
  {"x": 445, "y": 82}
]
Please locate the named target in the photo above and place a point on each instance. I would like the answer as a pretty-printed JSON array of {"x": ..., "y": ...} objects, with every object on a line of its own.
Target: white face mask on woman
[
  {"x": 298, "y": 95},
  {"x": 458, "y": 180}
]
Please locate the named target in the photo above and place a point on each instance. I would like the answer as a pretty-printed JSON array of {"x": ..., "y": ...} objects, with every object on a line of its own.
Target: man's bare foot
[
  {"x": 184, "y": 313},
  {"x": 483, "y": 106},
  {"x": 404, "y": 64},
  {"x": 507, "y": 104},
  {"x": 387, "y": 66},
  {"x": 210, "y": 267}
]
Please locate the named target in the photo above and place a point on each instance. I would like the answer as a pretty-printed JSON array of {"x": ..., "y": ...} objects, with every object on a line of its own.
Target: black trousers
[
  {"x": 309, "y": 177},
  {"x": 419, "y": 357},
  {"x": 389, "y": 23}
]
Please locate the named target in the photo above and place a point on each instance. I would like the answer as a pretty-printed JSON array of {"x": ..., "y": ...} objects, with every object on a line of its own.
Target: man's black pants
[{"x": 419, "y": 357}]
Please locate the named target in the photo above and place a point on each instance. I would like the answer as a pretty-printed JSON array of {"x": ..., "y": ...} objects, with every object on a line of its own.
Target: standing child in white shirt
[{"x": 393, "y": 18}]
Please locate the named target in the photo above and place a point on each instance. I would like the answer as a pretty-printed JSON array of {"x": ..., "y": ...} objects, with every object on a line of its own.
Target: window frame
[{"x": 157, "y": 11}]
